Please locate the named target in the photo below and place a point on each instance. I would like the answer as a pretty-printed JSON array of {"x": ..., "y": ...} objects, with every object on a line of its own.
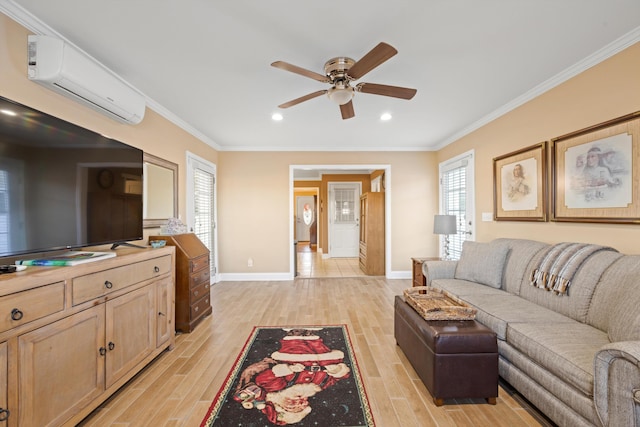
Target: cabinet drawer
[
  {"x": 199, "y": 278},
  {"x": 199, "y": 291},
  {"x": 199, "y": 263},
  {"x": 30, "y": 305},
  {"x": 95, "y": 285},
  {"x": 200, "y": 307}
]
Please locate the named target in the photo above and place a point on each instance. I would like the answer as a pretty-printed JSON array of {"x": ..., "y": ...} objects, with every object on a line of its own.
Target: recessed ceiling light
[
  {"x": 276, "y": 116},
  {"x": 8, "y": 112},
  {"x": 385, "y": 117}
]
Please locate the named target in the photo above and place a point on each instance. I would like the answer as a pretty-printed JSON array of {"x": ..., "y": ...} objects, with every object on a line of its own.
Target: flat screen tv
[{"x": 63, "y": 186}]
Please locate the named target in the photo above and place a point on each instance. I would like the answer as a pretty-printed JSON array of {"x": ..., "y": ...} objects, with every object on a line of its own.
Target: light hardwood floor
[{"x": 178, "y": 388}]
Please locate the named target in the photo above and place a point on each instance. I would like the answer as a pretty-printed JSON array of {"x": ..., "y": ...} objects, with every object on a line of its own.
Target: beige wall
[
  {"x": 154, "y": 135},
  {"x": 254, "y": 205},
  {"x": 608, "y": 90}
]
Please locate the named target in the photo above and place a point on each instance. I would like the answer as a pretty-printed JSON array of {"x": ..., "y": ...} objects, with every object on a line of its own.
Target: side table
[{"x": 418, "y": 277}]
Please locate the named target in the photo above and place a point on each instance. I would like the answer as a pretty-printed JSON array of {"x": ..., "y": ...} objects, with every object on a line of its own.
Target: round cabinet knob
[
  {"x": 111, "y": 346},
  {"x": 4, "y": 414},
  {"x": 102, "y": 351},
  {"x": 108, "y": 284},
  {"x": 16, "y": 314},
  {"x": 156, "y": 269}
]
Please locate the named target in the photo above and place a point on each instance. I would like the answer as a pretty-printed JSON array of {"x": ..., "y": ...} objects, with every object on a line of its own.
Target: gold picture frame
[
  {"x": 520, "y": 185},
  {"x": 595, "y": 173}
]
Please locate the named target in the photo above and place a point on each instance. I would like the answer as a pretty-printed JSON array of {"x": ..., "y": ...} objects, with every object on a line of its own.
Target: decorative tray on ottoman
[{"x": 436, "y": 304}]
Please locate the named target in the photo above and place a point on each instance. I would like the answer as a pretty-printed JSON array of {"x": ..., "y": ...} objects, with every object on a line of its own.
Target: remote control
[{"x": 7, "y": 268}]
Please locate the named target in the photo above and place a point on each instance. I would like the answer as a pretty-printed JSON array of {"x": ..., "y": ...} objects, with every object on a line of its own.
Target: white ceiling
[{"x": 206, "y": 64}]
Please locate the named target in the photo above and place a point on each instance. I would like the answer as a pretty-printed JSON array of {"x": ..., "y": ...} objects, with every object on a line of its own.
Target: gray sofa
[{"x": 574, "y": 352}]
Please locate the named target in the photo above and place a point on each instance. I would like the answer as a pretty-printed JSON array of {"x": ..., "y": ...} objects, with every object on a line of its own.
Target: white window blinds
[
  {"x": 203, "y": 206},
  {"x": 456, "y": 199}
]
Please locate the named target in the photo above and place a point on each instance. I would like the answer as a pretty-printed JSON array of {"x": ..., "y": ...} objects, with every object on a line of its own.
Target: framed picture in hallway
[
  {"x": 595, "y": 173},
  {"x": 520, "y": 185}
]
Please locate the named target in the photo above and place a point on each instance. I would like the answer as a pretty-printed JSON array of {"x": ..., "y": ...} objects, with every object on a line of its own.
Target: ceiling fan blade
[
  {"x": 371, "y": 60},
  {"x": 385, "y": 90},
  {"x": 347, "y": 110},
  {"x": 298, "y": 70},
  {"x": 302, "y": 99}
]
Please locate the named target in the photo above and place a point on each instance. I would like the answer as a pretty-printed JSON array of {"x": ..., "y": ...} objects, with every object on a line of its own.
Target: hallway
[{"x": 311, "y": 264}]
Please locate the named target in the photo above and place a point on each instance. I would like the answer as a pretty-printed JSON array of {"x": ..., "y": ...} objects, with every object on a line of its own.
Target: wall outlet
[{"x": 250, "y": 262}]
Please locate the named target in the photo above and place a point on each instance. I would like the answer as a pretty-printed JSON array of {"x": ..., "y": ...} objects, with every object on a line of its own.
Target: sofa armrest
[
  {"x": 616, "y": 383},
  {"x": 433, "y": 270}
]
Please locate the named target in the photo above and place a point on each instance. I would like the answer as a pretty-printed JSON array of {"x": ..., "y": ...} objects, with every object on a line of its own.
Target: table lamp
[{"x": 445, "y": 225}]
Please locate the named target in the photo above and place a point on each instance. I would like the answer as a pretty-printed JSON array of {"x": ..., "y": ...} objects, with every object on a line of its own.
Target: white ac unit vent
[{"x": 61, "y": 67}]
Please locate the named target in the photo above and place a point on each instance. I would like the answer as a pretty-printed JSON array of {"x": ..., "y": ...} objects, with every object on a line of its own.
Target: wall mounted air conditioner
[{"x": 61, "y": 67}]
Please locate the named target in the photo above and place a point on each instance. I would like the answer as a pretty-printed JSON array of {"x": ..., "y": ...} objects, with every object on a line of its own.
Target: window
[
  {"x": 201, "y": 179},
  {"x": 456, "y": 198}
]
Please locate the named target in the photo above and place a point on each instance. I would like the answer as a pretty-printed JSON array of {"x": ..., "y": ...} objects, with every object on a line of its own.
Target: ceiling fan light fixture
[{"x": 340, "y": 95}]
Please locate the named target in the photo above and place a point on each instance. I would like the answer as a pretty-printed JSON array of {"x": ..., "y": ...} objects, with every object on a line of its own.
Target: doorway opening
[{"x": 318, "y": 260}]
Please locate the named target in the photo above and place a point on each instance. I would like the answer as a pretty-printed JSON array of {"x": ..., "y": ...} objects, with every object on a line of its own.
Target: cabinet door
[
  {"x": 164, "y": 311},
  {"x": 61, "y": 369},
  {"x": 4, "y": 411},
  {"x": 131, "y": 331}
]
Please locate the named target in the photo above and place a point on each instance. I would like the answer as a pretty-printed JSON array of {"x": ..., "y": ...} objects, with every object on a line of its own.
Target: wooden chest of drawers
[{"x": 193, "y": 281}]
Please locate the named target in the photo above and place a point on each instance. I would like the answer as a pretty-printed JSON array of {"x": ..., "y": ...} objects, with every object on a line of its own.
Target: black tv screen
[{"x": 63, "y": 186}]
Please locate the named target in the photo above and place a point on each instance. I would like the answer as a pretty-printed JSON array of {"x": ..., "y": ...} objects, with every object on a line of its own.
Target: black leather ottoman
[{"x": 454, "y": 359}]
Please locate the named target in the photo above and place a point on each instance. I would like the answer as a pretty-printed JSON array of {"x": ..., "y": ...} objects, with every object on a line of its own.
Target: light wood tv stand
[{"x": 72, "y": 336}]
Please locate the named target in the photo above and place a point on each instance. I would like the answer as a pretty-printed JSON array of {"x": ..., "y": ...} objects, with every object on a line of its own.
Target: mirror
[{"x": 160, "y": 191}]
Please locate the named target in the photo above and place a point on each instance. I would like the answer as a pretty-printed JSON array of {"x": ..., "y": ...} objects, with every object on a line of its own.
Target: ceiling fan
[{"x": 341, "y": 71}]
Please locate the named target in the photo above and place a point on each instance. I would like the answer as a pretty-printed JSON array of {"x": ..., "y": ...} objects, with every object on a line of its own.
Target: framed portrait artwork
[
  {"x": 520, "y": 185},
  {"x": 595, "y": 173}
]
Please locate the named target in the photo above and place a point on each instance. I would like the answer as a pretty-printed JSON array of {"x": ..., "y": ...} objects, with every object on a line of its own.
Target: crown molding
[{"x": 597, "y": 57}]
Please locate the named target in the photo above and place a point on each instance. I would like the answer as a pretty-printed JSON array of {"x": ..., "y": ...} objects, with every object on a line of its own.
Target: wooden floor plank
[{"x": 178, "y": 388}]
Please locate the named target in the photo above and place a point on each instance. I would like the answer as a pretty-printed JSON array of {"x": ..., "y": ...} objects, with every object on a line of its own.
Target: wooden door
[
  {"x": 61, "y": 369},
  {"x": 130, "y": 331},
  {"x": 4, "y": 414},
  {"x": 164, "y": 312},
  {"x": 305, "y": 215}
]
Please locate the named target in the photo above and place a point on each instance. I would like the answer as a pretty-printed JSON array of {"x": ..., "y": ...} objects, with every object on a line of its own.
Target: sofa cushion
[
  {"x": 567, "y": 350},
  {"x": 615, "y": 302},
  {"x": 482, "y": 263},
  {"x": 498, "y": 311},
  {"x": 624, "y": 320},
  {"x": 576, "y": 302},
  {"x": 461, "y": 288},
  {"x": 516, "y": 271}
]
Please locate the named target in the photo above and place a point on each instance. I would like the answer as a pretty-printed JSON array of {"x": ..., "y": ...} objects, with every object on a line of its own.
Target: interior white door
[
  {"x": 305, "y": 214},
  {"x": 344, "y": 219}
]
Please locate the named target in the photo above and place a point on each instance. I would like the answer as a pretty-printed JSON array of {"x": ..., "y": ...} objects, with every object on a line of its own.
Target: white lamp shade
[{"x": 444, "y": 224}]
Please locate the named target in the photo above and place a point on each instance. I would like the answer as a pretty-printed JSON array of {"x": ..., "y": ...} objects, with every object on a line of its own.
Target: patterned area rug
[{"x": 299, "y": 376}]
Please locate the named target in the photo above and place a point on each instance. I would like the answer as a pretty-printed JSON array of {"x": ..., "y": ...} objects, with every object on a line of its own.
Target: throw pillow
[
  {"x": 624, "y": 318},
  {"x": 482, "y": 263}
]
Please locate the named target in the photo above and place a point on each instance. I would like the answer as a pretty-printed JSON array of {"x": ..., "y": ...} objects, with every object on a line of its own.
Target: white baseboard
[
  {"x": 400, "y": 275},
  {"x": 248, "y": 277}
]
